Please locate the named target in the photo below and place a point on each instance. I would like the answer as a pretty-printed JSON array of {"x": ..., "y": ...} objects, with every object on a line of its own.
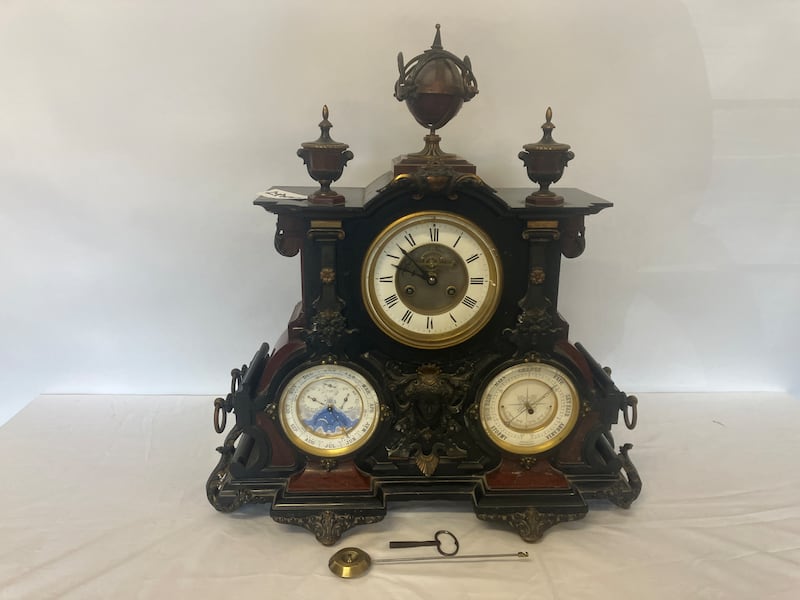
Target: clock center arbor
[{"x": 426, "y": 359}]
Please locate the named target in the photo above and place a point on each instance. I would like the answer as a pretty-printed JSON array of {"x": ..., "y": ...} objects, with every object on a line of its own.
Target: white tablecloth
[{"x": 104, "y": 497}]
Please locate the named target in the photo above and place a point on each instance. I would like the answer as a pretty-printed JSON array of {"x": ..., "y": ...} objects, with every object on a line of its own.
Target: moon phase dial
[
  {"x": 329, "y": 410},
  {"x": 431, "y": 279},
  {"x": 529, "y": 408}
]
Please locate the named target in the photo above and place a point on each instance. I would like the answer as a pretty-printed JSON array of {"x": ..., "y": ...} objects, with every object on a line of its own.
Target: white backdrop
[{"x": 135, "y": 134}]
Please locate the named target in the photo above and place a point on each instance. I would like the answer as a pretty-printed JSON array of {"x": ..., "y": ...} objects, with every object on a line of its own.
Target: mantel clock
[{"x": 426, "y": 358}]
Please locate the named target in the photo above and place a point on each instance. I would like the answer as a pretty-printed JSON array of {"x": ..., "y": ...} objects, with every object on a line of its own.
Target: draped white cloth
[{"x": 104, "y": 497}]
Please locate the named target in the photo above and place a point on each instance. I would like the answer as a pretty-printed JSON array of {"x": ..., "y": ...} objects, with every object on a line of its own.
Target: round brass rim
[
  {"x": 311, "y": 449},
  {"x": 372, "y": 299},
  {"x": 521, "y": 449}
]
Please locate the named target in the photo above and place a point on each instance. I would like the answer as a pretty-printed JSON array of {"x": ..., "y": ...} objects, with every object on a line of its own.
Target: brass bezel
[
  {"x": 434, "y": 341},
  {"x": 302, "y": 445},
  {"x": 521, "y": 450}
]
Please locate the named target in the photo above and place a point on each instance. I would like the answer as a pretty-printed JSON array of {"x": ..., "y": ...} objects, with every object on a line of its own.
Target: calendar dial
[{"x": 329, "y": 410}]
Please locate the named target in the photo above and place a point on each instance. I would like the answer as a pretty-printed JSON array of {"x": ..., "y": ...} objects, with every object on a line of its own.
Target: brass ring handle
[
  {"x": 219, "y": 409},
  {"x": 631, "y": 402},
  {"x": 236, "y": 379}
]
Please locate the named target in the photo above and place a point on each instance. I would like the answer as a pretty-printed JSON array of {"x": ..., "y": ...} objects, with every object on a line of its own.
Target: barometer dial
[{"x": 529, "y": 408}]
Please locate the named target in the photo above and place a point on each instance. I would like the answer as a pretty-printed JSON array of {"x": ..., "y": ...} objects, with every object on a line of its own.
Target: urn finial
[
  {"x": 545, "y": 161},
  {"x": 325, "y": 160}
]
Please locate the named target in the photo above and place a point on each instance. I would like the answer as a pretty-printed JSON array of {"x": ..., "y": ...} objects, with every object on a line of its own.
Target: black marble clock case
[{"x": 429, "y": 444}]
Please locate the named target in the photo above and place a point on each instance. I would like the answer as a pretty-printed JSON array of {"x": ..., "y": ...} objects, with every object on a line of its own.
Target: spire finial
[
  {"x": 547, "y": 127},
  {"x": 325, "y": 126},
  {"x": 437, "y": 40}
]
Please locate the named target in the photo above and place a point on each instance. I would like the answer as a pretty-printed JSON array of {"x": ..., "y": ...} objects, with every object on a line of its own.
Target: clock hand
[
  {"x": 413, "y": 262},
  {"x": 399, "y": 268}
]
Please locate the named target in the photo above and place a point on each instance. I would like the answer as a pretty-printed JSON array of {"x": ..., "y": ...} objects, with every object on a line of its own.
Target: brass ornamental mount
[
  {"x": 545, "y": 161},
  {"x": 434, "y": 86},
  {"x": 325, "y": 160}
]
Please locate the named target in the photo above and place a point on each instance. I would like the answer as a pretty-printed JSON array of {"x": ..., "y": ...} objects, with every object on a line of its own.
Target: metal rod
[{"x": 384, "y": 561}]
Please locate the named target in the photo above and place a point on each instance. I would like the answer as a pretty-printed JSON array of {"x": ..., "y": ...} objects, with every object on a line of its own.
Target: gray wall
[{"x": 134, "y": 135}]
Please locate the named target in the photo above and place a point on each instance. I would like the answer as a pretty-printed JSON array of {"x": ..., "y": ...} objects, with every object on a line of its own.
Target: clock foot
[
  {"x": 530, "y": 523},
  {"x": 327, "y": 525},
  {"x": 533, "y": 513},
  {"x": 328, "y": 515}
]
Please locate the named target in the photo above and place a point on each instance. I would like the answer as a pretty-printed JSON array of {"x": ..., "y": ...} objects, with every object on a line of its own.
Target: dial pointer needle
[
  {"x": 543, "y": 396},
  {"x": 421, "y": 272},
  {"x": 399, "y": 268}
]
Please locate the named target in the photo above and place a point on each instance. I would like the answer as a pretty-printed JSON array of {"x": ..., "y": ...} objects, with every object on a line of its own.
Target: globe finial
[{"x": 434, "y": 85}]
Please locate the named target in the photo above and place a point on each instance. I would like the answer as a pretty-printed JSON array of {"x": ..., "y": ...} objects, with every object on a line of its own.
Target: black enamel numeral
[
  {"x": 469, "y": 302},
  {"x": 434, "y": 231},
  {"x": 476, "y": 281},
  {"x": 410, "y": 239},
  {"x": 472, "y": 258},
  {"x": 391, "y": 301},
  {"x": 406, "y": 318}
]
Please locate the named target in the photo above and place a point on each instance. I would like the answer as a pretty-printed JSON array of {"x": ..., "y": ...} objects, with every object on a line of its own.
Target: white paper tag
[{"x": 277, "y": 194}]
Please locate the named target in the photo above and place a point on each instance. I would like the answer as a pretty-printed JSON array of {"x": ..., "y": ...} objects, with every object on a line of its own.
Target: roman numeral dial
[{"x": 431, "y": 279}]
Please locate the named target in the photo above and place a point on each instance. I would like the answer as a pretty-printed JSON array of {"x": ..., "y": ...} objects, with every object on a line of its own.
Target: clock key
[{"x": 445, "y": 542}]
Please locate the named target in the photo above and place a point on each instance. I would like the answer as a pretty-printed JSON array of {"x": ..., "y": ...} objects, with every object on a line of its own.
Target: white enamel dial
[
  {"x": 329, "y": 410},
  {"x": 431, "y": 279},
  {"x": 529, "y": 408}
]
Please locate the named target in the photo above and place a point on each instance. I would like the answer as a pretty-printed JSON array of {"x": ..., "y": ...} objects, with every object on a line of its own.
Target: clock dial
[
  {"x": 529, "y": 408},
  {"x": 431, "y": 279},
  {"x": 329, "y": 410}
]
